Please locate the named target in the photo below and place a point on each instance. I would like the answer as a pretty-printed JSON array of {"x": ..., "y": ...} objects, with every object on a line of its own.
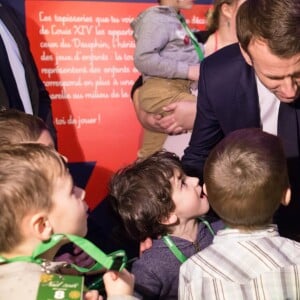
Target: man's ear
[
  {"x": 246, "y": 56},
  {"x": 170, "y": 220},
  {"x": 41, "y": 226},
  {"x": 286, "y": 197}
]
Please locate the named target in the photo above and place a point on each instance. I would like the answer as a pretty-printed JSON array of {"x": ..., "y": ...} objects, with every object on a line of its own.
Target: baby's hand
[
  {"x": 194, "y": 72},
  {"x": 118, "y": 283}
]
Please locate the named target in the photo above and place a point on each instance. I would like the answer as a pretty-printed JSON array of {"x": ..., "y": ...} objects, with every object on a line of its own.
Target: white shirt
[
  {"x": 269, "y": 108},
  {"x": 16, "y": 64},
  {"x": 243, "y": 265}
]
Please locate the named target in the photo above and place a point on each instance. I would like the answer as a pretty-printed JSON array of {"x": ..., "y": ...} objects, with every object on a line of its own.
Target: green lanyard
[
  {"x": 113, "y": 261},
  {"x": 174, "y": 249},
  {"x": 192, "y": 36}
]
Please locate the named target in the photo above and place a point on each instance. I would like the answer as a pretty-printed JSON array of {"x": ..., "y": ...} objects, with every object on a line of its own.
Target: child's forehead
[
  {"x": 63, "y": 177},
  {"x": 59, "y": 168},
  {"x": 177, "y": 173}
]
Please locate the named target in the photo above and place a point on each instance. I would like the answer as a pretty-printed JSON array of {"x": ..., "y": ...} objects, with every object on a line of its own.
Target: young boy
[
  {"x": 156, "y": 199},
  {"x": 168, "y": 56},
  {"x": 19, "y": 127},
  {"x": 38, "y": 199},
  {"x": 246, "y": 180}
]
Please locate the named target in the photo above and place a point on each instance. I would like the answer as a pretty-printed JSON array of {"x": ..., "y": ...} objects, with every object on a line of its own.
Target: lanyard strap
[
  {"x": 113, "y": 261},
  {"x": 206, "y": 223},
  {"x": 175, "y": 250},
  {"x": 192, "y": 36}
]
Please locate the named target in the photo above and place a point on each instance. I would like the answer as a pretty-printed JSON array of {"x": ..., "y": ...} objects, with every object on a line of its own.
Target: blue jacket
[
  {"x": 157, "y": 271},
  {"x": 40, "y": 100},
  {"x": 227, "y": 101}
]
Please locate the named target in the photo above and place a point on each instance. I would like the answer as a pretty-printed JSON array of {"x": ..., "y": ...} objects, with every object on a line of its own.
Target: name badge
[{"x": 55, "y": 287}]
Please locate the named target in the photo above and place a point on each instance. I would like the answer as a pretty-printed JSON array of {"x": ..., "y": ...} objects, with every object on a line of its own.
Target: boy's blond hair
[
  {"x": 18, "y": 127},
  {"x": 246, "y": 178},
  {"x": 28, "y": 173}
]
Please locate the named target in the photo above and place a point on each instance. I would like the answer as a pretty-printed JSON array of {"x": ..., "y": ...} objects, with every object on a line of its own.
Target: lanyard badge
[{"x": 113, "y": 261}]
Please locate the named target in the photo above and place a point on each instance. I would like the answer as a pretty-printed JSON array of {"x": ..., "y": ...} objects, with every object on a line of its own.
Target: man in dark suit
[
  {"x": 20, "y": 85},
  {"x": 255, "y": 83}
]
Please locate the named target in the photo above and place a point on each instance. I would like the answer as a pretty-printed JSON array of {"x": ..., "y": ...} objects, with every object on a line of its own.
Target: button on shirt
[{"x": 239, "y": 265}]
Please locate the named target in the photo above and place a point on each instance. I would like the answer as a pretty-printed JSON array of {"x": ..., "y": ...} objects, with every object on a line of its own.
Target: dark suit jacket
[
  {"x": 227, "y": 101},
  {"x": 40, "y": 100}
]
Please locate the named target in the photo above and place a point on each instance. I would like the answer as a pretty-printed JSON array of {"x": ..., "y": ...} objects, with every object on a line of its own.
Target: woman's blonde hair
[{"x": 213, "y": 14}]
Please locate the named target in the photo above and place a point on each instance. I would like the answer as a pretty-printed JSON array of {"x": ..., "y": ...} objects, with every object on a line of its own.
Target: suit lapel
[
  {"x": 289, "y": 127},
  {"x": 246, "y": 100}
]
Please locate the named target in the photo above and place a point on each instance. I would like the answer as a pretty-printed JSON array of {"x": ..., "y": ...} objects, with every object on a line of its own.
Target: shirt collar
[{"x": 231, "y": 234}]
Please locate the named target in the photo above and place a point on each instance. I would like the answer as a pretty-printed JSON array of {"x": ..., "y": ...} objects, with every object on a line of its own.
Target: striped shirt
[{"x": 243, "y": 265}]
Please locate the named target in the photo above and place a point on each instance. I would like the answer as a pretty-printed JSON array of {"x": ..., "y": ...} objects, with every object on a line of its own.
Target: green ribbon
[
  {"x": 192, "y": 36},
  {"x": 114, "y": 261},
  {"x": 175, "y": 250}
]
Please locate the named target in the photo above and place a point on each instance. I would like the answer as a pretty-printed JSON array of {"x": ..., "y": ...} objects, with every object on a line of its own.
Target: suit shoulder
[
  {"x": 226, "y": 56},
  {"x": 227, "y": 61}
]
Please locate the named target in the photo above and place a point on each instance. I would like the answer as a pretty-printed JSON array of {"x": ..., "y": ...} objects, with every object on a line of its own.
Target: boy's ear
[
  {"x": 286, "y": 197},
  {"x": 170, "y": 220},
  {"x": 41, "y": 226}
]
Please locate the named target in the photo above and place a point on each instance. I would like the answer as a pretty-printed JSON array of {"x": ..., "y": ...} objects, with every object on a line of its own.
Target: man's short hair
[
  {"x": 274, "y": 21},
  {"x": 246, "y": 178}
]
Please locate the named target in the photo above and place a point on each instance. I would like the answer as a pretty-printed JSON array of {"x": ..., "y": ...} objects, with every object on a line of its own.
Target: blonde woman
[{"x": 181, "y": 115}]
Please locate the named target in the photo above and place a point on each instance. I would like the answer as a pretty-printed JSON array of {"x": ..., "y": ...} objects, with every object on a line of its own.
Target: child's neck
[
  {"x": 186, "y": 230},
  {"x": 26, "y": 249}
]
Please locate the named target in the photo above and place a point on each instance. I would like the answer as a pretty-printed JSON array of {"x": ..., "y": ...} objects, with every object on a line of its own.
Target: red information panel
[{"x": 84, "y": 52}]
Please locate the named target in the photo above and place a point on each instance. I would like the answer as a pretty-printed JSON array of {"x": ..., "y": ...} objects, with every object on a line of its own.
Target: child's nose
[
  {"x": 80, "y": 193},
  {"x": 194, "y": 180}
]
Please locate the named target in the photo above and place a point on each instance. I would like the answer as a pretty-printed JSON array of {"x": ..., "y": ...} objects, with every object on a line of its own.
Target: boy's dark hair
[
  {"x": 246, "y": 178},
  {"x": 274, "y": 21},
  {"x": 142, "y": 194}
]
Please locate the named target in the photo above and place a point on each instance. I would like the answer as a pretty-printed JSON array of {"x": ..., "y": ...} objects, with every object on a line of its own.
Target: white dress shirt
[
  {"x": 243, "y": 265},
  {"x": 16, "y": 64}
]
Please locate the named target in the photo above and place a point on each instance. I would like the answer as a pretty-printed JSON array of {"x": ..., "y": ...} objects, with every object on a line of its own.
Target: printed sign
[{"x": 84, "y": 52}]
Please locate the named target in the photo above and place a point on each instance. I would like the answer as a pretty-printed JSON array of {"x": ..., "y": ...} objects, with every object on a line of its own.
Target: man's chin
[{"x": 286, "y": 100}]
